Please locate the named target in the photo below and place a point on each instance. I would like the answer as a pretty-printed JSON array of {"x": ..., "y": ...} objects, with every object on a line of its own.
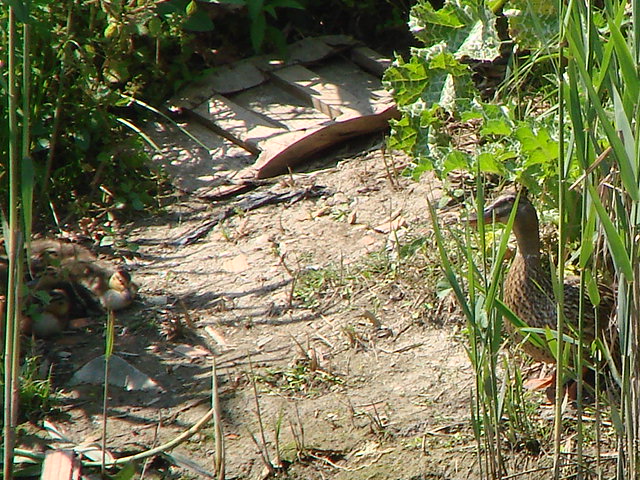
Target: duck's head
[
  {"x": 525, "y": 223},
  {"x": 59, "y": 303},
  {"x": 500, "y": 209}
]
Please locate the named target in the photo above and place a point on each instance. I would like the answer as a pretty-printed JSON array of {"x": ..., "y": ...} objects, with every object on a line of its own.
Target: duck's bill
[{"x": 487, "y": 216}]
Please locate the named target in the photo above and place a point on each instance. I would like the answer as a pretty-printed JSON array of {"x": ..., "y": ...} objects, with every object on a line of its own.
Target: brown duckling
[
  {"x": 116, "y": 293},
  {"x": 528, "y": 290},
  {"x": 64, "y": 258},
  {"x": 47, "y": 251},
  {"x": 52, "y": 319}
]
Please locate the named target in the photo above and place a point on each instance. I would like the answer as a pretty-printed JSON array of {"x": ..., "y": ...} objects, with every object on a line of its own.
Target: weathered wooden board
[
  {"x": 195, "y": 158},
  {"x": 243, "y": 127},
  {"x": 61, "y": 465},
  {"x": 281, "y": 107},
  {"x": 264, "y": 116}
]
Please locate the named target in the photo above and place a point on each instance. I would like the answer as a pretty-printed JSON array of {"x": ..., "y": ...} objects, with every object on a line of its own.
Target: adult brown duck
[{"x": 528, "y": 290}]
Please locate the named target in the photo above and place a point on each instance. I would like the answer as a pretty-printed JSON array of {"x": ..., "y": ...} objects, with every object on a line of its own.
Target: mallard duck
[{"x": 528, "y": 290}]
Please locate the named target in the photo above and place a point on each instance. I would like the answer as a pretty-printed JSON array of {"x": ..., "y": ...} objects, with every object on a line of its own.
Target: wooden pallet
[{"x": 262, "y": 116}]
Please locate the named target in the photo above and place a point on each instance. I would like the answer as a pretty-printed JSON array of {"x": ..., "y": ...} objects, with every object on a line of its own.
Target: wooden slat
[
  {"x": 196, "y": 166},
  {"x": 370, "y": 60},
  {"x": 243, "y": 126},
  {"x": 289, "y": 150},
  {"x": 239, "y": 76},
  {"x": 226, "y": 79},
  {"x": 339, "y": 41},
  {"x": 321, "y": 94},
  {"x": 281, "y": 107},
  {"x": 348, "y": 77},
  {"x": 309, "y": 50},
  {"x": 60, "y": 465}
]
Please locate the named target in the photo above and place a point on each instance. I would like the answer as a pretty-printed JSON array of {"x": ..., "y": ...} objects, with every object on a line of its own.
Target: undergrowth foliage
[
  {"x": 435, "y": 87},
  {"x": 86, "y": 58}
]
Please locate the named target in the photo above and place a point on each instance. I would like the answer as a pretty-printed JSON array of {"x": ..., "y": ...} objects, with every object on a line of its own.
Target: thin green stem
[
  {"x": 559, "y": 291},
  {"x": 11, "y": 346}
]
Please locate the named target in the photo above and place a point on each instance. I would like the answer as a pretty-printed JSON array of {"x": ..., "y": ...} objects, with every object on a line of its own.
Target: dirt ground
[{"x": 365, "y": 381}]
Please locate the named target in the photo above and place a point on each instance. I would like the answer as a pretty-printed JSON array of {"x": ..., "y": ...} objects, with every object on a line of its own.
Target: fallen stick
[{"x": 252, "y": 202}]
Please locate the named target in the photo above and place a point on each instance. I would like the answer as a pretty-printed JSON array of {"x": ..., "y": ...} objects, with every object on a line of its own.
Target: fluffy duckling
[
  {"x": 55, "y": 252},
  {"x": 116, "y": 293},
  {"x": 52, "y": 320}
]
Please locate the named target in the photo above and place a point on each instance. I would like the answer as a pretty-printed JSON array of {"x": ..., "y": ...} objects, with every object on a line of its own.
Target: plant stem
[{"x": 11, "y": 353}]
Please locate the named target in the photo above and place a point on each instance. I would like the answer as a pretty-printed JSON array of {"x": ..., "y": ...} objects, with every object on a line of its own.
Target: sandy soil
[{"x": 358, "y": 379}]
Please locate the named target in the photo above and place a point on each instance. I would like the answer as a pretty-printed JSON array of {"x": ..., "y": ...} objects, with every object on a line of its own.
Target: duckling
[
  {"x": 58, "y": 264},
  {"x": 48, "y": 254},
  {"x": 116, "y": 293},
  {"x": 528, "y": 290},
  {"x": 52, "y": 319}
]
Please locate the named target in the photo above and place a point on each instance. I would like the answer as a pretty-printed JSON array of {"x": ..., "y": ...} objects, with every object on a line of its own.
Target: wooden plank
[
  {"x": 226, "y": 79},
  {"x": 281, "y": 107},
  {"x": 60, "y": 465},
  {"x": 276, "y": 110},
  {"x": 348, "y": 77},
  {"x": 320, "y": 93},
  {"x": 370, "y": 60},
  {"x": 339, "y": 41},
  {"x": 290, "y": 149},
  {"x": 251, "y": 72},
  {"x": 196, "y": 165},
  {"x": 244, "y": 127},
  {"x": 309, "y": 50}
]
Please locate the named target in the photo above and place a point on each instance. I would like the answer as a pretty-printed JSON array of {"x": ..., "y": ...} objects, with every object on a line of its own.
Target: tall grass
[
  {"x": 598, "y": 182},
  {"x": 18, "y": 148},
  {"x": 603, "y": 62}
]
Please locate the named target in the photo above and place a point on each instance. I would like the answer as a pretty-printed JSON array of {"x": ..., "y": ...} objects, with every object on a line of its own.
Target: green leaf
[
  {"x": 539, "y": 147},
  {"x": 456, "y": 160},
  {"x": 489, "y": 163},
  {"x": 533, "y": 24},
  {"x": 198, "y": 22},
  {"x": 155, "y": 26},
  {"x": 592, "y": 288},
  {"x": 626, "y": 168},
  {"x": 127, "y": 472},
  {"x": 616, "y": 245},
  {"x": 258, "y": 29},
  {"x": 628, "y": 67},
  {"x": 463, "y": 28},
  {"x": 495, "y": 126}
]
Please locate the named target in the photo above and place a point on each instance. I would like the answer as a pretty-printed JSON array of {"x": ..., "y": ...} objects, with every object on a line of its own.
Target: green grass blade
[
  {"x": 626, "y": 167},
  {"x": 614, "y": 240},
  {"x": 446, "y": 264}
]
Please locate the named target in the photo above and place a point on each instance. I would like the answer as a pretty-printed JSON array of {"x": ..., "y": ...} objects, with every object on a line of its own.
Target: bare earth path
[{"x": 355, "y": 378}]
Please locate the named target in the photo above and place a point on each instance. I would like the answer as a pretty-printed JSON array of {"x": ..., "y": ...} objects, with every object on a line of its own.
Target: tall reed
[
  {"x": 602, "y": 61},
  {"x": 17, "y": 230}
]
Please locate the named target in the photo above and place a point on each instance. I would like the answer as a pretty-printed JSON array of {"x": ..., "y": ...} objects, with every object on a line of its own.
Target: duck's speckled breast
[{"x": 529, "y": 294}]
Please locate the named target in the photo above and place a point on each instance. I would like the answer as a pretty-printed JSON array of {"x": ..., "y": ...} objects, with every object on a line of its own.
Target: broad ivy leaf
[
  {"x": 489, "y": 163},
  {"x": 495, "y": 126},
  {"x": 539, "y": 147}
]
